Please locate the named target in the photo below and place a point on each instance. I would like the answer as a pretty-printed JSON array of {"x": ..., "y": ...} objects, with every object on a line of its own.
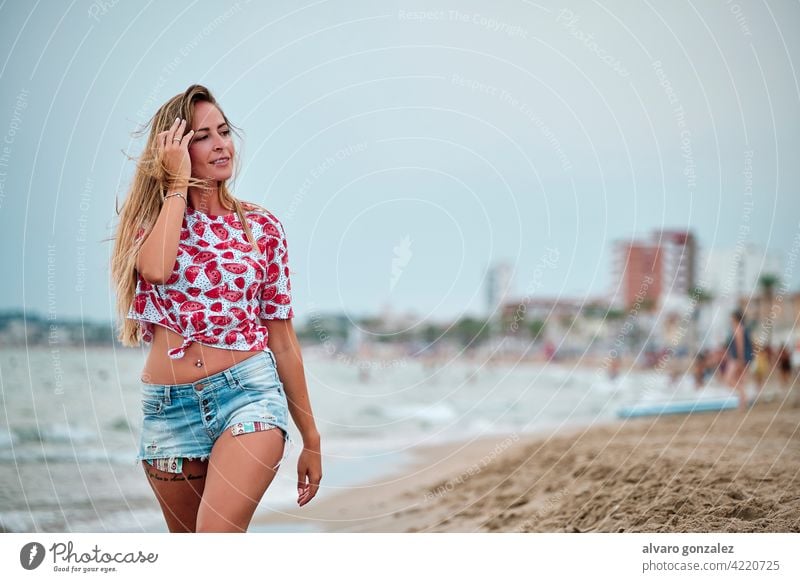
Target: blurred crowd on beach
[{"x": 743, "y": 359}]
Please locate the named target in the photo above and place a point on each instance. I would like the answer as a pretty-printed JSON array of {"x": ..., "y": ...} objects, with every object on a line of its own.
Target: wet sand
[{"x": 704, "y": 472}]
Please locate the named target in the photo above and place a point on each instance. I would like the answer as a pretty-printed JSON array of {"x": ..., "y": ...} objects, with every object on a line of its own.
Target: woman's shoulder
[{"x": 260, "y": 214}]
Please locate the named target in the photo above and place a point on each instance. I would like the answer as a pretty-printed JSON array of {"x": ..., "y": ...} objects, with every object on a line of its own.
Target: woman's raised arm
[{"x": 156, "y": 258}]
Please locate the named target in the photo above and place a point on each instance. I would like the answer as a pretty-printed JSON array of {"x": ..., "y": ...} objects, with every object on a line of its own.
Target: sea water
[{"x": 69, "y": 427}]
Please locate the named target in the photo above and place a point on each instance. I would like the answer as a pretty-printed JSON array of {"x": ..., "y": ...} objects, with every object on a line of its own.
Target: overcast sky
[{"x": 406, "y": 151}]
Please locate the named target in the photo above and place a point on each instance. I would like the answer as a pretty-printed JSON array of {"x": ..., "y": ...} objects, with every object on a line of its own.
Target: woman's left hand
[{"x": 309, "y": 473}]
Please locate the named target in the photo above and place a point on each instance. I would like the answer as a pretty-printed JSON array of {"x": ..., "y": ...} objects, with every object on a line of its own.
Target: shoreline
[
  {"x": 585, "y": 361},
  {"x": 703, "y": 472},
  {"x": 355, "y": 508}
]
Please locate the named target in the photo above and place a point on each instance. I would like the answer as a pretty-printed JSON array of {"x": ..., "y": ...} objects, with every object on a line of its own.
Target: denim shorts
[{"x": 183, "y": 420}]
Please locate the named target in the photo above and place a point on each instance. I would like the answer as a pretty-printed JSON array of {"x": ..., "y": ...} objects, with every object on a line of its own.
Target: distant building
[
  {"x": 572, "y": 323},
  {"x": 554, "y": 308},
  {"x": 544, "y": 308},
  {"x": 679, "y": 261},
  {"x": 647, "y": 271},
  {"x": 734, "y": 274},
  {"x": 498, "y": 285},
  {"x": 637, "y": 273}
]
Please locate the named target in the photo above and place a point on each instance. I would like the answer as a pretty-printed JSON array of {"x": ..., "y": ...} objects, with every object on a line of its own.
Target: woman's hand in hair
[{"x": 174, "y": 155}]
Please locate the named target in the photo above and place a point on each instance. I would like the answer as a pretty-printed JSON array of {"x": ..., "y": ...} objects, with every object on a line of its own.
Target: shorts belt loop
[
  {"x": 167, "y": 397},
  {"x": 229, "y": 376}
]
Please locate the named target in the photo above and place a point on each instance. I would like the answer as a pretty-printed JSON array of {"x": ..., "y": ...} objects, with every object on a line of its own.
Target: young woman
[{"x": 204, "y": 278}]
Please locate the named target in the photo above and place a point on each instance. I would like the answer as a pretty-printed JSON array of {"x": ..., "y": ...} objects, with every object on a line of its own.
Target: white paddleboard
[
  {"x": 653, "y": 408},
  {"x": 709, "y": 399}
]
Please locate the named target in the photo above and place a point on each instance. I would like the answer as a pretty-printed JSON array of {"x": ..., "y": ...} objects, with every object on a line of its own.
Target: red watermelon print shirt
[{"x": 220, "y": 285}]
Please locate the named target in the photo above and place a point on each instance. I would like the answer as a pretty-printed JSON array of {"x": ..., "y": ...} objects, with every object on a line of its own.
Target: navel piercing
[{"x": 199, "y": 363}]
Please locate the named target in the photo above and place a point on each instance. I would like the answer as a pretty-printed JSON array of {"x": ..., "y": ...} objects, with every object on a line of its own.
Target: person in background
[
  {"x": 761, "y": 365},
  {"x": 700, "y": 369},
  {"x": 739, "y": 356},
  {"x": 614, "y": 368},
  {"x": 784, "y": 363},
  {"x": 719, "y": 360}
]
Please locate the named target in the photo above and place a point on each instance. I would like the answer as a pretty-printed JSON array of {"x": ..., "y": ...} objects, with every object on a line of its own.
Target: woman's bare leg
[
  {"x": 179, "y": 494},
  {"x": 239, "y": 472},
  {"x": 737, "y": 380}
]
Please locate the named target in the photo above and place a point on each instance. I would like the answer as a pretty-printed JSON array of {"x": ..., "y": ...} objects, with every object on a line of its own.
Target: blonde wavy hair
[{"x": 144, "y": 201}]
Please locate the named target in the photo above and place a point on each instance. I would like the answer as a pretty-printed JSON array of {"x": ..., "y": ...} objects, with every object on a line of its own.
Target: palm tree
[{"x": 536, "y": 327}]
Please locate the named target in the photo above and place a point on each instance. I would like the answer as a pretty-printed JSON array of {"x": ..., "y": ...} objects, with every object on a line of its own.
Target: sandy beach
[{"x": 703, "y": 472}]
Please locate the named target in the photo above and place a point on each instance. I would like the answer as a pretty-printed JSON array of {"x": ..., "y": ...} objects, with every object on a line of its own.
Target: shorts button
[
  {"x": 205, "y": 401},
  {"x": 208, "y": 417}
]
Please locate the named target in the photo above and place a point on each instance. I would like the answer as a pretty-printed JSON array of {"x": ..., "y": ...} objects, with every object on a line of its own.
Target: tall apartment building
[
  {"x": 497, "y": 288},
  {"x": 679, "y": 260},
  {"x": 646, "y": 271},
  {"x": 734, "y": 274}
]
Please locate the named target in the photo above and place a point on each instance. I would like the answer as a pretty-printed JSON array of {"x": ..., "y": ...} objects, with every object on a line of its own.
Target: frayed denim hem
[
  {"x": 256, "y": 426},
  {"x": 169, "y": 464},
  {"x": 174, "y": 464}
]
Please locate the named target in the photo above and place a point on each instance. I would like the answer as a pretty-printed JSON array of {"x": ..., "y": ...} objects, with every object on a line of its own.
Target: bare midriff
[{"x": 161, "y": 369}]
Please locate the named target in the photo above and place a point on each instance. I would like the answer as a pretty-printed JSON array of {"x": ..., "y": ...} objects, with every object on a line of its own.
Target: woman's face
[{"x": 211, "y": 141}]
